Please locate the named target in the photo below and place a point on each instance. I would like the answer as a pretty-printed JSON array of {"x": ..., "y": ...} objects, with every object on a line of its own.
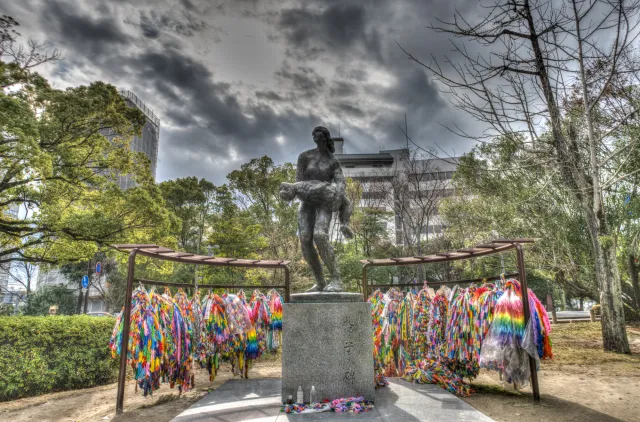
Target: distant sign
[
  {"x": 98, "y": 267},
  {"x": 85, "y": 281}
]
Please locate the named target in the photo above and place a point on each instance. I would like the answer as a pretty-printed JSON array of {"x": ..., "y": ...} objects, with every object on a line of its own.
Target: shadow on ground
[
  {"x": 259, "y": 400},
  {"x": 493, "y": 404}
]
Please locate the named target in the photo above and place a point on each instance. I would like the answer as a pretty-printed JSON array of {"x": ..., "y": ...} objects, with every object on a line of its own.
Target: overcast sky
[{"x": 237, "y": 79}]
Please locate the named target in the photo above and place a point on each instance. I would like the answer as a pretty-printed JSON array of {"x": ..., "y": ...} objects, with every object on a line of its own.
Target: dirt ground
[
  {"x": 581, "y": 383},
  {"x": 98, "y": 404}
]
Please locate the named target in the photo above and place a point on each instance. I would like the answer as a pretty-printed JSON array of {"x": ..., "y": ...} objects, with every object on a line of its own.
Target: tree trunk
[
  {"x": 420, "y": 267},
  {"x": 581, "y": 303},
  {"x": 614, "y": 334},
  {"x": 633, "y": 275},
  {"x": 551, "y": 308},
  {"x": 575, "y": 177}
]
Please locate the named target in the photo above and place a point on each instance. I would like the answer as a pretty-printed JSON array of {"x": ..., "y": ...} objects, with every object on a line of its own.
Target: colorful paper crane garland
[
  {"x": 168, "y": 334},
  {"x": 439, "y": 338}
]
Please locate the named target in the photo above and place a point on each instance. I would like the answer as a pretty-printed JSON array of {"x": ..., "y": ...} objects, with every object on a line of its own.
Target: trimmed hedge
[{"x": 41, "y": 355}]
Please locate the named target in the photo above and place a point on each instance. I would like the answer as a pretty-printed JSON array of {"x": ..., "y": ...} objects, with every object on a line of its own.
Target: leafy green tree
[
  {"x": 257, "y": 184},
  {"x": 369, "y": 219},
  {"x": 497, "y": 199},
  {"x": 57, "y": 164},
  {"x": 61, "y": 296},
  {"x": 543, "y": 70},
  {"x": 256, "y": 187},
  {"x": 192, "y": 201},
  {"x": 6, "y": 309}
]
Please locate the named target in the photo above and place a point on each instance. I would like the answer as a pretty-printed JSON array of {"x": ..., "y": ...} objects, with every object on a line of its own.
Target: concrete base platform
[{"x": 259, "y": 401}]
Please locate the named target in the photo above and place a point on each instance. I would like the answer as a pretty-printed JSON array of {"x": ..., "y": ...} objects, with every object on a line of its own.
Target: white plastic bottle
[
  {"x": 300, "y": 395},
  {"x": 313, "y": 396}
]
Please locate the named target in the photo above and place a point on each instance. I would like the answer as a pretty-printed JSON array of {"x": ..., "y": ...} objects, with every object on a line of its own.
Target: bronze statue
[{"x": 320, "y": 187}]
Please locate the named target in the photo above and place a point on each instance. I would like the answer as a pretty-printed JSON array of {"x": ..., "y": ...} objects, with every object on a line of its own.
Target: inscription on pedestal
[
  {"x": 348, "y": 345},
  {"x": 329, "y": 346}
]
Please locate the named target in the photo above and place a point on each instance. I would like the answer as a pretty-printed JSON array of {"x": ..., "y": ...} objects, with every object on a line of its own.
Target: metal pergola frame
[
  {"x": 166, "y": 254},
  {"x": 485, "y": 249}
]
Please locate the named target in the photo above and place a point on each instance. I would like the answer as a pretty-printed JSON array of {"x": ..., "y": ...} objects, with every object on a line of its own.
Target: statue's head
[{"x": 322, "y": 138}]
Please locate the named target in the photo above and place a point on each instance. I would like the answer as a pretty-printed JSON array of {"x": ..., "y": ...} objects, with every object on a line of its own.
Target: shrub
[
  {"x": 39, "y": 302},
  {"x": 40, "y": 355}
]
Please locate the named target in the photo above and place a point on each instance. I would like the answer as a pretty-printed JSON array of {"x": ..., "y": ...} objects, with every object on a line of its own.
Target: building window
[
  {"x": 435, "y": 229},
  {"x": 350, "y": 167},
  {"x": 373, "y": 195}
]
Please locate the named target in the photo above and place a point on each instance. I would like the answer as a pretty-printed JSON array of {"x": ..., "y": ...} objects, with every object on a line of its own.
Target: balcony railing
[{"x": 142, "y": 106}]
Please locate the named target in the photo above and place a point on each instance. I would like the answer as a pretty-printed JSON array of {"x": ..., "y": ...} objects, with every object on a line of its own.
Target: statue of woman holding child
[{"x": 320, "y": 187}]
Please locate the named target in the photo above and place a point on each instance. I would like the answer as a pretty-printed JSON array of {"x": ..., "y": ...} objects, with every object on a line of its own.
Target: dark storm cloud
[
  {"x": 415, "y": 90},
  {"x": 147, "y": 27},
  {"x": 358, "y": 75},
  {"x": 188, "y": 5},
  {"x": 198, "y": 92},
  {"x": 350, "y": 109},
  {"x": 89, "y": 35},
  {"x": 304, "y": 80},
  {"x": 345, "y": 58},
  {"x": 185, "y": 94},
  {"x": 342, "y": 89},
  {"x": 339, "y": 28},
  {"x": 220, "y": 120},
  {"x": 184, "y": 23},
  {"x": 424, "y": 104},
  {"x": 269, "y": 95}
]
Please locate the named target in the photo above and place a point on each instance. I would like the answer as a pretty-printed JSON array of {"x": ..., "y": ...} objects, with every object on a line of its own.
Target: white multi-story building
[
  {"x": 410, "y": 187},
  {"x": 97, "y": 287},
  {"x": 12, "y": 279}
]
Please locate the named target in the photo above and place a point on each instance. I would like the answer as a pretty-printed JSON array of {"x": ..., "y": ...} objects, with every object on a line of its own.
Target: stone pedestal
[
  {"x": 326, "y": 297},
  {"x": 327, "y": 345}
]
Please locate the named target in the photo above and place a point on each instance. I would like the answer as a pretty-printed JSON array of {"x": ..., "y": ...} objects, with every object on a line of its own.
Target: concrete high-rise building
[
  {"x": 148, "y": 143},
  {"x": 382, "y": 174}
]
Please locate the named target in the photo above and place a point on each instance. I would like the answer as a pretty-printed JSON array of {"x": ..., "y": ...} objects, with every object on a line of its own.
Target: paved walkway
[{"x": 259, "y": 401}]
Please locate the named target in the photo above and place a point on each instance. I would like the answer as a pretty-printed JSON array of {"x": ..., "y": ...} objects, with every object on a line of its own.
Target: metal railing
[{"x": 142, "y": 106}]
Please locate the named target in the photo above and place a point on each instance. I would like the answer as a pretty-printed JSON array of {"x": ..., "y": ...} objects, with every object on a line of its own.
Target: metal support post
[
  {"x": 527, "y": 314},
  {"x": 126, "y": 320},
  {"x": 86, "y": 295},
  {"x": 287, "y": 285},
  {"x": 365, "y": 288}
]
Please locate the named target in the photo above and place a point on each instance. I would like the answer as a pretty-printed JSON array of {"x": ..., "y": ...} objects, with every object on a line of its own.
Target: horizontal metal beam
[
  {"x": 135, "y": 246},
  {"x": 429, "y": 283},
  {"x": 429, "y": 259},
  {"x": 205, "y": 286},
  {"x": 211, "y": 262},
  {"x": 164, "y": 283},
  {"x": 517, "y": 240}
]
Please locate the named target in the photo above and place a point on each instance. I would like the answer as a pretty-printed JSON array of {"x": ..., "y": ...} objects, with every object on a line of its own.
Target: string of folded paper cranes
[
  {"x": 446, "y": 336},
  {"x": 341, "y": 405},
  {"x": 169, "y": 334}
]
